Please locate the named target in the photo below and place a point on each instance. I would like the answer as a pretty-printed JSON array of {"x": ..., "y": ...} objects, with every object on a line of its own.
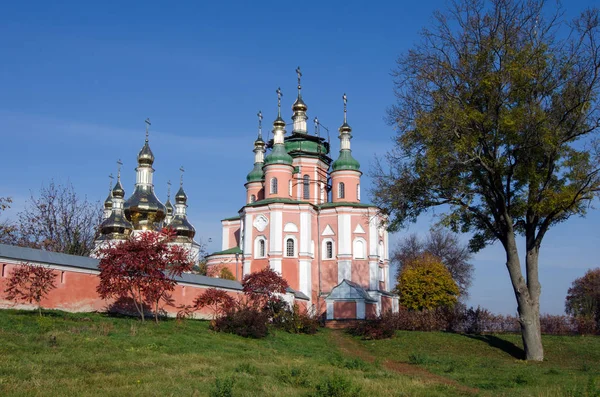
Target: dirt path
[{"x": 353, "y": 348}]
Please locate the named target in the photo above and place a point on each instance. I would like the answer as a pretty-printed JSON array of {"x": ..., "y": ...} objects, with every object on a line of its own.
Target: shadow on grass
[{"x": 499, "y": 343}]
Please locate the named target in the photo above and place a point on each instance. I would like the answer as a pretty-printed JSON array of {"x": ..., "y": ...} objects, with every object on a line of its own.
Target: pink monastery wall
[{"x": 76, "y": 292}]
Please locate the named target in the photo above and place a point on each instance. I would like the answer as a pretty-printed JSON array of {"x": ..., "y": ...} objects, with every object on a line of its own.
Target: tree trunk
[{"x": 527, "y": 294}]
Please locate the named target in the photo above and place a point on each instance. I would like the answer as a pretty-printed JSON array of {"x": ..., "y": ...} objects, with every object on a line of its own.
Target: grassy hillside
[{"x": 92, "y": 354}]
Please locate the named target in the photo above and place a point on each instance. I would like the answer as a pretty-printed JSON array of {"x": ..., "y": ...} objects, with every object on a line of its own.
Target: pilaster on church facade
[{"x": 303, "y": 217}]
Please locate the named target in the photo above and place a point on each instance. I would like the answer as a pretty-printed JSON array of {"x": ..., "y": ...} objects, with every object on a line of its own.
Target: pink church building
[{"x": 303, "y": 217}]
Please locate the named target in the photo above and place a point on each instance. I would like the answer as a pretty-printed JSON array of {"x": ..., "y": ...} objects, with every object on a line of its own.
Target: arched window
[
  {"x": 289, "y": 247},
  {"x": 306, "y": 187},
  {"x": 341, "y": 190},
  {"x": 261, "y": 248},
  {"x": 359, "y": 249},
  {"x": 273, "y": 185},
  {"x": 329, "y": 250},
  {"x": 380, "y": 251},
  {"x": 290, "y": 188},
  {"x": 358, "y": 192},
  {"x": 252, "y": 198}
]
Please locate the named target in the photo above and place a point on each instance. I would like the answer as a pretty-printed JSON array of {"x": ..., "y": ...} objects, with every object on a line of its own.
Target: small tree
[
  {"x": 59, "y": 220},
  {"x": 446, "y": 246},
  {"x": 142, "y": 268},
  {"x": 219, "y": 301},
  {"x": 262, "y": 288},
  {"x": 226, "y": 274},
  {"x": 583, "y": 298},
  {"x": 7, "y": 228},
  {"x": 30, "y": 283},
  {"x": 425, "y": 284}
]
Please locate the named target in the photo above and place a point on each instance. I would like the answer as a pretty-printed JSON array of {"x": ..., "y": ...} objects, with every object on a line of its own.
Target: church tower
[
  {"x": 345, "y": 173},
  {"x": 143, "y": 208},
  {"x": 278, "y": 166},
  {"x": 255, "y": 179},
  {"x": 115, "y": 227}
]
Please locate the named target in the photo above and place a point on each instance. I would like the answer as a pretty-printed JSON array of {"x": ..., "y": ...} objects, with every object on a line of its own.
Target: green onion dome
[
  {"x": 278, "y": 155},
  {"x": 345, "y": 162}
]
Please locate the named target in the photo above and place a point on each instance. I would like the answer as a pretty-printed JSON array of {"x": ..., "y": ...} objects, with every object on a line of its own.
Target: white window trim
[
  {"x": 364, "y": 242},
  {"x": 285, "y": 239},
  {"x": 324, "y": 249},
  {"x": 306, "y": 187},
  {"x": 341, "y": 190},
  {"x": 274, "y": 185},
  {"x": 358, "y": 192},
  {"x": 257, "y": 246}
]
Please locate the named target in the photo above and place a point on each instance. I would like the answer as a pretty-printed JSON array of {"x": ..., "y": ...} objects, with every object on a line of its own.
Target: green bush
[
  {"x": 337, "y": 386},
  {"x": 223, "y": 387}
]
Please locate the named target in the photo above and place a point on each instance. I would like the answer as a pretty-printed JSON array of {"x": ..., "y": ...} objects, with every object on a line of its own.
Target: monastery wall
[{"x": 76, "y": 279}]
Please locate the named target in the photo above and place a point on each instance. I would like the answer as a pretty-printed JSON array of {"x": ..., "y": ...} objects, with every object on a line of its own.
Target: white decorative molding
[
  {"x": 345, "y": 234},
  {"x": 275, "y": 264},
  {"x": 359, "y": 248},
  {"x": 344, "y": 271},
  {"x": 324, "y": 248},
  {"x": 359, "y": 229},
  {"x": 328, "y": 231},
  {"x": 261, "y": 222},
  {"x": 290, "y": 228}
]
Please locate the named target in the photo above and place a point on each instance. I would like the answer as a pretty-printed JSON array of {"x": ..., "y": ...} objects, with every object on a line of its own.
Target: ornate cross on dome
[
  {"x": 169, "y": 189},
  {"x": 119, "y": 164},
  {"x": 260, "y": 117},
  {"x": 299, "y": 73},
  {"x": 181, "y": 177},
  {"x": 345, "y": 98},
  {"x": 279, "y": 95},
  {"x": 111, "y": 177},
  {"x": 316, "y": 121},
  {"x": 148, "y": 124}
]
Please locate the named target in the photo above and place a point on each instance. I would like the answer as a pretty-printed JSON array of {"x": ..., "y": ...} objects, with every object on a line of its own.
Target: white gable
[
  {"x": 359, "y": 229},
  {"x": 290, "y": 227},
  {"x": 328, "y": 231}
]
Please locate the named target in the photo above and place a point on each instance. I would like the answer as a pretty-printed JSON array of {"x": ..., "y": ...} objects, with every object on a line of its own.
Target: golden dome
[
  {"x": 145, "y": 156},
  {"x": 116, "y": 225},
  {"x": 144, "y": 210},
  {"x": 299, "y": 105},
  {"x": 118, "y": 190}
]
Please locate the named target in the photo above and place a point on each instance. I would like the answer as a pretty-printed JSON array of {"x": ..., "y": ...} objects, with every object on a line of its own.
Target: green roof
[
  {"x": 256, "y": 175},
  {"x": 345, "y": 204},
  {"x": 275, "y": 200},
  {"x": 234, "y": 250},
  {"x": 345, "y": 162},
  {"x": 233, "y": 218},
  {"x": 278, "y": 156}
]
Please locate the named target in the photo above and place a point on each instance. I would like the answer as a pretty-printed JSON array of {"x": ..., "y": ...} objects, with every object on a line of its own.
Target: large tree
[
  {"x": 59, "y": 220},
  {"x": 497, "y": 120}
]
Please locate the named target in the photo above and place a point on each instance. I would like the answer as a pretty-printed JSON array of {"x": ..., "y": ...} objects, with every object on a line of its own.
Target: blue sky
[{"x": 77, "y": 81}]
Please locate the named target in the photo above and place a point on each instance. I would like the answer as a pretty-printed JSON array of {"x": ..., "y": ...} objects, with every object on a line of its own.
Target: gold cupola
[
  {"x": 183, "y": 229},
  {"x": 299, "y": 109},
  {"x": 143, "y": 209},
  {"x": 116, "y": 226}
]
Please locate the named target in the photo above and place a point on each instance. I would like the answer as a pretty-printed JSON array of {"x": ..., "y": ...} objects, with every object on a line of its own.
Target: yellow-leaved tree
[{"x": 425, "y": 283}]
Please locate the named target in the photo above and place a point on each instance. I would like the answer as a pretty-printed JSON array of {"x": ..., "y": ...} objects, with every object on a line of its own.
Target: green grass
[
  {"x": 492, "y": 364},
  {"x": 93, "y": 354}
]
